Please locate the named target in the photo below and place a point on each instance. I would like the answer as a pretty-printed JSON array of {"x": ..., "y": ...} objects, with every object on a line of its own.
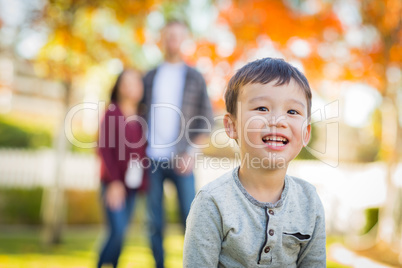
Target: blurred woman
[{"x": 121, "y": 148}]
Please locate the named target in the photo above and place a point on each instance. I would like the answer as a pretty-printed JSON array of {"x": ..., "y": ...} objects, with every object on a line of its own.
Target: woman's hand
[
  {"x": 115, "y": 195},
  {"x": 184, "y": 164}
]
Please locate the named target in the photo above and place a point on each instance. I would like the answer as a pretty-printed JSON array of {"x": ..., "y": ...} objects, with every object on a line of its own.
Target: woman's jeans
[
  {"x": 117, "y": 222},
  {"x": 185, "y": 186}
]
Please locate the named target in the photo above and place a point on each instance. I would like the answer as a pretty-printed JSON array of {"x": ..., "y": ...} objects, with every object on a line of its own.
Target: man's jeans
[
  {"x": 158, "y": 172},
  {"x": 117, "y": 222}
]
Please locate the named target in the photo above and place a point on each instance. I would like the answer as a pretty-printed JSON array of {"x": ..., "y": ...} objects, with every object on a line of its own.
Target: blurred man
[{"x": 179, "y": 116}]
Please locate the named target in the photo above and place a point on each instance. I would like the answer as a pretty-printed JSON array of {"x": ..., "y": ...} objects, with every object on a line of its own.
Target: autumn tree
[
  {"x": 308, "y": 33},
  {"x": 384, "y": 72},
  {"x": 83, "y": 34},
  {"x": 369, "y": 51}
]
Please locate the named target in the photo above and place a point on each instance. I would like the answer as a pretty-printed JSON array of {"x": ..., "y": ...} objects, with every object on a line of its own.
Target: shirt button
[
  {"x": 267, "y": 249},
  {"x": 271, "y": 232},
  {"x": 271, "y": 212}
]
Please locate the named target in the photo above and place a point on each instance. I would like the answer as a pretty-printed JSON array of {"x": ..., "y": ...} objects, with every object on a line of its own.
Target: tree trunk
[
  {"x": 53, "y": 202},
  {"x": 390, "y": 217}
]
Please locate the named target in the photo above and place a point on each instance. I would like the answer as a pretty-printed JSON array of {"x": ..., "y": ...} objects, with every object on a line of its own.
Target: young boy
[{"x": 256, "y": 215}]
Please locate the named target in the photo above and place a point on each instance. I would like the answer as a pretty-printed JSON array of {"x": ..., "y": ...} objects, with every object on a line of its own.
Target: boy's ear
[
  {"x": 306, "y": 135},
  {"x": 230, "y": 126}
]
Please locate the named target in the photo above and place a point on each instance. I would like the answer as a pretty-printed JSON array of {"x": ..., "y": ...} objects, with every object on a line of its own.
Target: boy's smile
[
  {"x": 271, "y": 122},
  {"x": 275, "y": 141}
]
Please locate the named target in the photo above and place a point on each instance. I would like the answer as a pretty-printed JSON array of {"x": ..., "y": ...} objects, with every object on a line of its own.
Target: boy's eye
[
  {"x": 262, "y": 109},
  {"x": 293, "y": 112}
]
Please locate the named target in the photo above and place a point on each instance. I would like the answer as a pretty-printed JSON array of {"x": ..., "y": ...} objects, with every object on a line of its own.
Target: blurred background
[{"x": 59, "y": 59}]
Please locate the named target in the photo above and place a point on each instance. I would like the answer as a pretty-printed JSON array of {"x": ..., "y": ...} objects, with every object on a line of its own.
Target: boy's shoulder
[
  {"x": 303, "y": 192},
  {"x": 301, "y": 183},
  {"x": 217, "y": 184}
]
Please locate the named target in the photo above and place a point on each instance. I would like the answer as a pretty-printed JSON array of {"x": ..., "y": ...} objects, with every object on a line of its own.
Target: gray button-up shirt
[{"x": 227, "y": 227}]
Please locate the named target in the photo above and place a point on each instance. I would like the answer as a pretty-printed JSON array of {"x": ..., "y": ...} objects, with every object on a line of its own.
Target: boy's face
[{"x": 271, "y": 125}]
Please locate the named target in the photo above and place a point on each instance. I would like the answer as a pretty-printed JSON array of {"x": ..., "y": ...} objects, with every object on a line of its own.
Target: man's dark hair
[
  {"x": 171, "y": 22},
  {"x": 264, "y": 71}
]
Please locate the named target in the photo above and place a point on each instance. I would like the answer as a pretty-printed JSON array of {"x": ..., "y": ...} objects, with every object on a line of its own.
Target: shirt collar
[{"x": 254, "y": 201}]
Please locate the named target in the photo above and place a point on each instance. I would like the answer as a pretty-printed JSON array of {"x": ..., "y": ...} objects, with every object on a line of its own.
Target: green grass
[
  {"x": 331, "y": 264},
  {"x": 21, "y": 247}
]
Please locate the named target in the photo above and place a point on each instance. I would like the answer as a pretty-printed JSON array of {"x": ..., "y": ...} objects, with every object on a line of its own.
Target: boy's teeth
[
  {"x": 276, "y": 144},
  {"x": 273, "y": 138}
]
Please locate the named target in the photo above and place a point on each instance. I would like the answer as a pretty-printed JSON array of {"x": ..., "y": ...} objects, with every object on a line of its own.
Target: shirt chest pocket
[{"x": 292, "y": 241}]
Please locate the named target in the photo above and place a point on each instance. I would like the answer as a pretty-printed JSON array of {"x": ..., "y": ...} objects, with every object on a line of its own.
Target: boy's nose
[{"x": 277, "y": 121}]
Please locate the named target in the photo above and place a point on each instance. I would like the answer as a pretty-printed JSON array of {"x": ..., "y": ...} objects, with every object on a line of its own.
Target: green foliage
[
  {"x": 83, "y": 137},
  {"x": 371, "y": 219},
  {"x": 15, "y": 133},
  {"x": 172, "y": 210},
  {"x": 304, "y": 153},
  {"x": 20, "y": 206},
  {"x": 83, "y": 207},
  {"x": 23, "y": 206},
  {"x": 368, "y": 152},
  {"x": 13, "y": 136},
  {"x": 21, "y": 135},
  {"x": 332, "y": 264}
]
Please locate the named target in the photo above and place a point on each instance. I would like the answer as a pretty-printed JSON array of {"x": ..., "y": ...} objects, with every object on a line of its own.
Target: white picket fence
[
  {"x": 26, "y": 168},
  {"x": 345, "y": 190}
]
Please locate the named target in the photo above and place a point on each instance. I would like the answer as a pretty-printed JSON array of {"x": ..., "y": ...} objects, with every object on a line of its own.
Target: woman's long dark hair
[{"x": 115, "y": 89}]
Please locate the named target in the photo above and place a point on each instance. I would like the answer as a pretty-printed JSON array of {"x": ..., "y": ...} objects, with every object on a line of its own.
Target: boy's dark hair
[{"x": 264, "y": 71}]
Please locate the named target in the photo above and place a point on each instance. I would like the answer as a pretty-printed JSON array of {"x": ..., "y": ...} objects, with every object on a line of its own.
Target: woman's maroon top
[{"x": 119, "y": 141}]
